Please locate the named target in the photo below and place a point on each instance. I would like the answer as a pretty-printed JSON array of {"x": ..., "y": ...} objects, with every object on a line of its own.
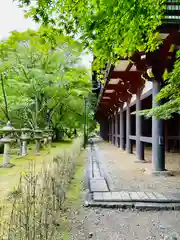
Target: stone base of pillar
[
  {"x": 7, "y": 165},
  {"x": 165, "y": 173},
  {"x": 141, "y": 161}
]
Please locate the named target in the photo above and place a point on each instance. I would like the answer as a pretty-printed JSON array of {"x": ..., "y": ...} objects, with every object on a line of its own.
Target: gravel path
[
  {"x": 114, "y": 224},
  {"x": 128, "y": 175}
]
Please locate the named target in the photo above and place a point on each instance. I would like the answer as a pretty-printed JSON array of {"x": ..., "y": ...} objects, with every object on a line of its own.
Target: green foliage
[
  {"x": 170, "y": 94},
  {"x": 111, "y": 29},
  {"x": 44, "y": 85}
]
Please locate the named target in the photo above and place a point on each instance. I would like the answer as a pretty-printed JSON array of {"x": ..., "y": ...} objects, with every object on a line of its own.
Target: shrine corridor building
[{"x": 132, "y": 86}]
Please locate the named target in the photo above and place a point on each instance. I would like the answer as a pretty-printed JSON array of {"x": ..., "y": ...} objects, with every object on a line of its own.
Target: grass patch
[
  {"x": 75, "y": 189},
  {"x": 73, "y": 195},
  {"x": 52, "y": 191},
  {"x": 57, "y": 196},
  {"x": 9, "y": 177}
]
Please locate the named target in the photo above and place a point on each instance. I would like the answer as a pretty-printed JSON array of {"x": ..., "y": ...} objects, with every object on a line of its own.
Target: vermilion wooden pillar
[{"x": 139, "y": 144}]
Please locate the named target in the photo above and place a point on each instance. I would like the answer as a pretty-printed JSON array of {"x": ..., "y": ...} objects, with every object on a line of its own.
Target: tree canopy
[
  {"x": 111, "y": 29},
  {"x": 42, "y": 81}
]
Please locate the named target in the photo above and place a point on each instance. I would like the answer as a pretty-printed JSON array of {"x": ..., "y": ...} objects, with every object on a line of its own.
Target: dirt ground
[
  {"x": 115, "y": 224},
  {"x": 126, "y": 174}
]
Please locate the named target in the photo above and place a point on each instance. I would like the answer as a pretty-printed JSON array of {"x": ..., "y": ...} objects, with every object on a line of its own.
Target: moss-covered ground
[
  {"x": 73, "y": 197},
  {"x": 9, "y": 177}
]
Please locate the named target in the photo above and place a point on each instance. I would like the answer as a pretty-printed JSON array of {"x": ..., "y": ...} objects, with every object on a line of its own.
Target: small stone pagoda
[
  {"x": 8, "y": 137},
  {"x": 38, "y": 137},
  {"x": 25, "y": 136}
]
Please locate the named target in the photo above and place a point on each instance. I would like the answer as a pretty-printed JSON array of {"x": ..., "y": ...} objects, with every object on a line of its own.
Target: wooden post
[
  {"x": 121, "y": 129},
  {"x": 128, "y": 130},
  {"x": 112, "y": 127},
  {"x": 158, "y": 148},
  {"x": 166, "y": 135},
  {"x": 116, "y": 130},
  {"x": 139, "y": 144}
]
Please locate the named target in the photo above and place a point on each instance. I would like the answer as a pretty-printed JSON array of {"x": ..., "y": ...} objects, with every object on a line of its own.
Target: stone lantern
[
  {"x": 38, "y": 137},
  {"x": 7, "y": 139},
  {"x": 46, "y": 136},
  {"x": 25, "y": 136},
  {"x": 50, "y": 137}
]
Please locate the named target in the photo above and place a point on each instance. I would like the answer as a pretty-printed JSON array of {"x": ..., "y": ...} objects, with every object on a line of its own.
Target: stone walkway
[
  {"x": 101, "y": 189},
  {"x": 128, "y": 175}
]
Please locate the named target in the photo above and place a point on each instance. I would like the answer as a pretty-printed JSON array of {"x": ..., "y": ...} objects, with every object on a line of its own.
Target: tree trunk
[{"x": 5, "y": 99}]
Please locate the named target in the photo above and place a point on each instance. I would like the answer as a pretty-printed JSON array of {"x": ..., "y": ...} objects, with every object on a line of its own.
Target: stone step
[
  {"x": 144, "y": 206},
  {"x": 124, "y": 196}
]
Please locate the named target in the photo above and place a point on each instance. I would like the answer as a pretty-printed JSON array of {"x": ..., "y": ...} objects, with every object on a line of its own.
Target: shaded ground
[
  {"x": 126, "y": 174},
  {"x": 9, "y": 177}
]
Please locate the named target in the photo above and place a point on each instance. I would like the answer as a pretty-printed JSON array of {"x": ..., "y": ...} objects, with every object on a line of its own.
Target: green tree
[
  {"x": 44, "y": 83},
  {"x": 111, "y": 29}
]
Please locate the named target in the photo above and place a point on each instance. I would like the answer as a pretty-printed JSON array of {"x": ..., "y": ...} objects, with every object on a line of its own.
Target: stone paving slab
[
  {"x": 96, "y": 170},
  {"x": 174, "y": 195},
  {"x": 143, "y": 196},
  {"x": 90, "y": 172},
  {"x": 97, "y": 196},
  {"x": 134, "y": 197},
  {"x": 160, "y": 196},
  {"x": 98, "y": 185},
  {"x": 151, "y": 195}
]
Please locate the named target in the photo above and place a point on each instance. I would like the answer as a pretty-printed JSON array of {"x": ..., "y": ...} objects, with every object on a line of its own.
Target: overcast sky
[{"x": 12, "y": 18}]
